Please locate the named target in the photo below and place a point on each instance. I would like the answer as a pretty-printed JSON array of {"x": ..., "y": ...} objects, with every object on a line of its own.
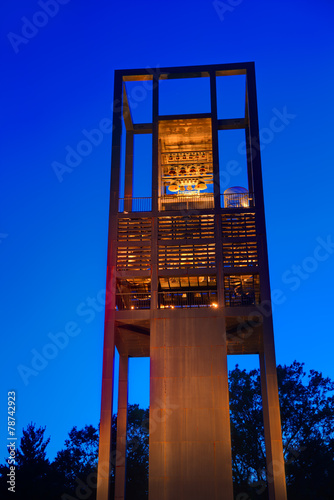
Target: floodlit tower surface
[{"x": 187, "y": 280}]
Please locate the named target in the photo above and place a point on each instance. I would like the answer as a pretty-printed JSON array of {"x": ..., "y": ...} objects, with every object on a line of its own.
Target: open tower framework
[{"x": 187, "y": 284}]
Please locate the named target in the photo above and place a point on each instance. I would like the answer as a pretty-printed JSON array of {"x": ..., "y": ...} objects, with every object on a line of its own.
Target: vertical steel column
[
  {"x": 216, "y": 187},
  {"x": 271, "y": 409},
  {"x": 120, "y": 466},
  {"x": 104, "y": 463},
  {"x": 155, "y": 194},
  {"x": 248, "y": 153},
  {"x": 272, "y": 421},
  {"x": 128, "y": 184}
]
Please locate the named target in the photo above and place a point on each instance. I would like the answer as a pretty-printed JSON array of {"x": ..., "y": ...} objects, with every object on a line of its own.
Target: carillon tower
[{"x": 187, "y": 284}]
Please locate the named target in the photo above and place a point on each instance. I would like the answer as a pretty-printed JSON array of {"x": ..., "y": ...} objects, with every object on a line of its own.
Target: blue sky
[{"x": 57, "y": 84}]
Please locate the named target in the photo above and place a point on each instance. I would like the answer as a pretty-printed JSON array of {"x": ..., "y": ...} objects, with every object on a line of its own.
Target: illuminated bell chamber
[{"x": 236, "y": 197}]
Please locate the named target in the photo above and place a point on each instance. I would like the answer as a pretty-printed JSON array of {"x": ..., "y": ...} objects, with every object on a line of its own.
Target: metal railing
[
  {"x": 179, "y": 299},
  {"x": 133, "y": 300},
  {"x": 237, "y": 200},
  {"x": 167, "y": 300},
  {"x": 135, "y": 204},
  {"x": 176, "y": 202},
  {"x": 242, "y": 298}
]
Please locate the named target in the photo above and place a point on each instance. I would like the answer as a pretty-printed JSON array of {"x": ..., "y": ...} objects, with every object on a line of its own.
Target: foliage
[
  {"x": 137, "y": 453},
  {"x": 76, "y": 464},
  {"x": 307, "y": 411},
  {"x": 33, "y": 467}
]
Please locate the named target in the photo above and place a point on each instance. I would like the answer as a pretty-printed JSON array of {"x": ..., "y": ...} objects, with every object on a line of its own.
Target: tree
[
  {"x": 137, "y": 453},
  {"x": 75, "y": 465},
  {"x": 307, "y": 408},
  {"x": 307, "y": 412},
  {"x": 32, "y": 466}
]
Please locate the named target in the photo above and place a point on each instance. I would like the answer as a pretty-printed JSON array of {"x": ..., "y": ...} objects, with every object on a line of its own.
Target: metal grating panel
[
  {"x": 240, "y": 254},
  {"x": 242, "y": 290},
  {"x": 186, "y": 256},
  {"x": 186, "y": 227},
  {"x": 134, "y": 258},
  {"x": 238, "y": 225},
  {"x": 138, "y": 229}
]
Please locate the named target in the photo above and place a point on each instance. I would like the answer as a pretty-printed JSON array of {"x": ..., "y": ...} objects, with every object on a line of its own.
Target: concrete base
[{"x": 190, "y": 444}]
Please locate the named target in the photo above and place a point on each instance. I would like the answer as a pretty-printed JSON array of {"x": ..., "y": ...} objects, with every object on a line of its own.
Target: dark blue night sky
[{"x": 58, "y": 61}]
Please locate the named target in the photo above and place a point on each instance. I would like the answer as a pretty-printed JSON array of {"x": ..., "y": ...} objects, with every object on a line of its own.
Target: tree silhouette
[
  {"x": 76, "y": 464},
  {"x": 307, "y": 411},
  {"x": 33, "y": 467}
]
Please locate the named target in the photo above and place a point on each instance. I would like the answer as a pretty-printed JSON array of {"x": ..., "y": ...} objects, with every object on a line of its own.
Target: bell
[
  {"x": 172, "y": 172},
  {"x": 200, "y": 186},
  {"x": 189, "y": 188},
  {"x": 170, "y": 157},
  {"x": 182, "y": 171},
  {"x": 192, "y": 170},
  {"x": 182, "y": 188},
  {"x": 202, "y": 170},
  {"x": 184, "y": 156},
  {"x": 173, "y": 187}
]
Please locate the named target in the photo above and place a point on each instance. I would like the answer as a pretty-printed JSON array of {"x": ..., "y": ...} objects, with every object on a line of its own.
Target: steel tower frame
[{"x": 187, "y": 284}]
